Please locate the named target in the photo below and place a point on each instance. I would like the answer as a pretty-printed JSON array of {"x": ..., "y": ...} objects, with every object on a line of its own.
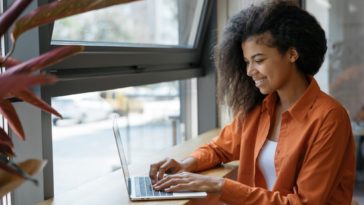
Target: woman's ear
[{"x": 293, "y": 54}]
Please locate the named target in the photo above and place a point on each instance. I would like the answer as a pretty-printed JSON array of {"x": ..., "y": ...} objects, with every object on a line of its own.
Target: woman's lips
[{"x": 259, "y": 82}]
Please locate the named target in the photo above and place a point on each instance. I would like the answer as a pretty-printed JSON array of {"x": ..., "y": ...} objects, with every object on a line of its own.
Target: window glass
[
  {"x": 140, "y": 23},
  {"x": 343, "y": 70},
  {"x": 343, "y": 22},
  {"x": 84, "y": 147}
]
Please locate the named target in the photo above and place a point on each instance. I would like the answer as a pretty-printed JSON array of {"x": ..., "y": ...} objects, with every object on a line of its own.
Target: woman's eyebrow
[
  {"x": 256, "y": 55},
  {"x": 253, "y": 56}
]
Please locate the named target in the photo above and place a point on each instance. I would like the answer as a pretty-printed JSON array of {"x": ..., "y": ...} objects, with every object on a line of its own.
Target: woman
[{"x": 294, "y": 142}]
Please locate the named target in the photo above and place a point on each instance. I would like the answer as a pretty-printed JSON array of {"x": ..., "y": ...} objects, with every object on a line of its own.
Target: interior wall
[{"x": 27, "y": 46}]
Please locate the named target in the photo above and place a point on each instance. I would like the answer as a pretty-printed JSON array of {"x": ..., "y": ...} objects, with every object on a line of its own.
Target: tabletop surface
[{"x": 111, "y": 190}]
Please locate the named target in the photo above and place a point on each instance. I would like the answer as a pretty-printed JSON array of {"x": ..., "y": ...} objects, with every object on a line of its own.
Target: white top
[{"x": 266, "y": 162}]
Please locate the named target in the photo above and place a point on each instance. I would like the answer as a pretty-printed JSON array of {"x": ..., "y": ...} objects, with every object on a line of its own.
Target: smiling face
[{"x": 270, "y": 69}]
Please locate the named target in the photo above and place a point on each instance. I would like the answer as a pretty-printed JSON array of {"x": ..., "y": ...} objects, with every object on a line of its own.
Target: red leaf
[
  {"x": 11, "y": 14},
  {"x": 8, "y": 111},
  {"x": 6, "y": 144},
  {"x": 58, "y": 9},
  {"x": 29, "y": 97},
  {"x": 10, "y": 62},
  {"x": 45, "y": 59},
  {"x": 5, "y": 139},
  {"x": 11, "y": 83},
  {"x": 8, "y": 151}
]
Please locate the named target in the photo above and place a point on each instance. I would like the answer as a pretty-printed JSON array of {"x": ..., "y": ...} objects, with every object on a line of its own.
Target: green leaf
[{"x": 59, "y": 9}]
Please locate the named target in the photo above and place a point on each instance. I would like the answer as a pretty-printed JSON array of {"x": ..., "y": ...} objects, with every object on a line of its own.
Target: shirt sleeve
[
  {"x": 324, "y": 165},
  {"x": 223, "y": 148}
]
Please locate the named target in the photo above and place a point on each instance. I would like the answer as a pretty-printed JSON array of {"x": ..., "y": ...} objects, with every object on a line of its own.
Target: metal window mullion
[
  {"x": 127, "y": 58},
  {"x": 99, "y": 83}
]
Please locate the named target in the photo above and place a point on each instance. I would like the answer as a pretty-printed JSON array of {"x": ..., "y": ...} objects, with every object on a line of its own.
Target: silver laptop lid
[{"x": 122, "y": 157}]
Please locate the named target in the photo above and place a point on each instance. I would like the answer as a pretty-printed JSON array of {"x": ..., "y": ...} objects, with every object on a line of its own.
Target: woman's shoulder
[{"x": 325, "y": 104}]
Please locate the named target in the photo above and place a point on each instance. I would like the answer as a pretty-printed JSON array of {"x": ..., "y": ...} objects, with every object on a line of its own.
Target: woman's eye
[{"x": 259, "y": 61}]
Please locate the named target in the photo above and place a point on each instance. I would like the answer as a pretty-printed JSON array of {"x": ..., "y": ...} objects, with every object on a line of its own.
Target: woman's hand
[
  {"x": 186, "y": 181},
  {"x": 170, "y": 166}
]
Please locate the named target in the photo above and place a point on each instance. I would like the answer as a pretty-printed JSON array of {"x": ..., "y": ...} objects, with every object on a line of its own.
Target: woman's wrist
[
  {"x": 219, "y": 182},
  {"x": 189, "y": 164}
]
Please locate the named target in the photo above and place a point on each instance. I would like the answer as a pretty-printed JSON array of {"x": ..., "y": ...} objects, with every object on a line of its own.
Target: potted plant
[{"x": 17, "y": 77}]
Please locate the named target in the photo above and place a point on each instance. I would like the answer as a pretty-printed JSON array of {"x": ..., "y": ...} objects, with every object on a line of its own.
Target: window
[
  {"x": 84, "y": 147},
  {"x": 343, "y": 69},
  {"x": 110, "y": 64},
  {"x": 141, "y": 23},
  {"x": 156, "y": 37},
  {"x": 343, "y": 24}
]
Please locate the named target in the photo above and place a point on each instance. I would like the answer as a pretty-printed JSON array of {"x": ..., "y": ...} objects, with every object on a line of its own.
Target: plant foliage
[{"x": 17, "y": 77}]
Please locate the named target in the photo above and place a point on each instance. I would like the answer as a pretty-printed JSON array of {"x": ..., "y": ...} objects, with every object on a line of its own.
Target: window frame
[{"x": 114, "y": 62}]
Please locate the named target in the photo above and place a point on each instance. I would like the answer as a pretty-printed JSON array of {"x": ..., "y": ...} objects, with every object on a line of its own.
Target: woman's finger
[
  {"x": 172, "y": 181},
  {"x": 164, "y": 180},
  {"x": 170, "y": 177},
  {"x": 180, "y": 187},
  {"x": 154, "y": 168},
  {"x": 165, "y": 167}
]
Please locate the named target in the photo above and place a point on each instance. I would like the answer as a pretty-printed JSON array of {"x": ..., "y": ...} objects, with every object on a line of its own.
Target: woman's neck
[{"x": 293, "y": 90}]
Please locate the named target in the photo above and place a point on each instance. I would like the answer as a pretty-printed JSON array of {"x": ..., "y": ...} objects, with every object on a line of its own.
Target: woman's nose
[{"x": 250, "y": 70}]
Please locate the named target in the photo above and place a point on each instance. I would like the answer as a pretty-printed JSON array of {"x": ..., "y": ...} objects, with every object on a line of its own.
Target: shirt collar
[
  {"x": 301, "y": 107},
  {"x": 269, "y": 103}
]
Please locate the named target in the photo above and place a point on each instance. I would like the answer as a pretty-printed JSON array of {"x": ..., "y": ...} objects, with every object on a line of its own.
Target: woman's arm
[
  {"x": 222, "y": 149},
  {"x": 328, "y": 166}
]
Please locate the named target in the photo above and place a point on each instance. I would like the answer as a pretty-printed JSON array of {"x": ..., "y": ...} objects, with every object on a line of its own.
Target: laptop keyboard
[{"x": 143, "y": 188}]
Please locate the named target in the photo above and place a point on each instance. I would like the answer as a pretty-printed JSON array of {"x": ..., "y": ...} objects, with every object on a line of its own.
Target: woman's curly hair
[{"x": 289, "y": 26}]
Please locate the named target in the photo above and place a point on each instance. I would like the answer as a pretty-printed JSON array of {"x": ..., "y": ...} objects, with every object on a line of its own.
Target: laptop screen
[{"x": 122, "y": 157}]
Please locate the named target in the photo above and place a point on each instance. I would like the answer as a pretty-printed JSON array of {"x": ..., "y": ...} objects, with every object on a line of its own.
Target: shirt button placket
[{"x": 282, "y": 135}]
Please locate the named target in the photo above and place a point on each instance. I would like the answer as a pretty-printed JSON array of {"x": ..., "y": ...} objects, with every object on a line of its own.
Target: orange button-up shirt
[{"x": 314, "y": 159}]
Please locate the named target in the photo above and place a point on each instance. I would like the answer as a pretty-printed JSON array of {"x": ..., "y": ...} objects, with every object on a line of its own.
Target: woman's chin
[{"x": 264, "y": 91}]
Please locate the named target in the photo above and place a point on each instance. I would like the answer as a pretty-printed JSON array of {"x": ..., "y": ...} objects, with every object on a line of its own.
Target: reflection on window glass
[
  {"x": 343, "y": 22},
  {"x": 153, "y": 22},
  {"x": 83, "y": 143}
]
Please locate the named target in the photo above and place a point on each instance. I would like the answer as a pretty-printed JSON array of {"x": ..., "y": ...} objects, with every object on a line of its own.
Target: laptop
[{"x": 140, "y": 187}]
